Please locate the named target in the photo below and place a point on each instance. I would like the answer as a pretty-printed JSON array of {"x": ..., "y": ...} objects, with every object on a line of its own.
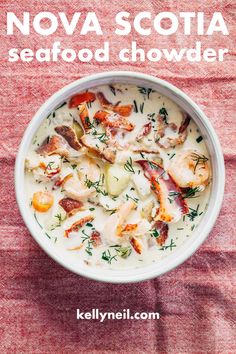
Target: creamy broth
[{"x": 117, "y": 212}]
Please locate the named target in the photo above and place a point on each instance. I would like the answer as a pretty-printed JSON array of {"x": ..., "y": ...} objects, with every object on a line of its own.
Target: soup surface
[{"x": 118, "y": 177}]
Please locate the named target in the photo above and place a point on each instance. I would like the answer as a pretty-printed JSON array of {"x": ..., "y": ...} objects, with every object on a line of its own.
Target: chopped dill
[
  {"x": 96, "y": 185},
  {"x": 151, "y": 116},
  {"x": 154, "y": 233},
  {"x": 128, "y": 166},
  {"x": 35, "y": 216},
  {"x": 111, "y": 211},
  {"x": 199, "y": 159},
  {"x": 101, "y": 136},
  {"x": 60, "y": 219},
  {"x": 85, "y": 237},
  {"x": 106, "y": 256},
  {"x": 136, "y": 109},
  {"x": 170, "y": 246},
  {"x": 191, "y": 193},
  {"x": 141, "y": 107},
  {"x": 113, "y": 90},
  {"x": 145, "y": 91},
  {"x": 199, "y": 139},
  {"x": 164, "y": 114},
  {"x": 48, "y": 235},
  {"x": 123, "y": 252},
  {"x": 133, "y": 198},
  {"x": 171, "y": 157},
  {"x": 62, "y": 105},
  {"x": 89, "y": 248},
  {"x": 172, "y": 196},
  {"x": 193, "y": 213},
  {"x": 142, "y": 155}
]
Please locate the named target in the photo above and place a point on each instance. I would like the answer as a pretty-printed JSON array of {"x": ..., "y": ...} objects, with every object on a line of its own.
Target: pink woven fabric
[{"x": 38, "y": 297}]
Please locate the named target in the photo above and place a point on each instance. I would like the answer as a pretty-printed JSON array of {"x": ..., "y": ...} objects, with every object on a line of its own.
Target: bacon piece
[
  {"x": 137, "y": 246},
  {"x": 76, "y": 100},
  {"x": 96, "y": 238},
  {"x": 163, "y": 229},
  {"x": 76, "y": 226},
  {"x": 71, "y": 206},
  {"x": 69, "y": 135},
  {"x": 55, "y": 145},
  {"x": 84, "y": 116},
  {"x": 146, "y": 129},
  {"x": 184, "y": 124},
  {"x": 113, "y": 120},
  {"x": 172, "y": 204},
  {"x": 124, "y": 111}
]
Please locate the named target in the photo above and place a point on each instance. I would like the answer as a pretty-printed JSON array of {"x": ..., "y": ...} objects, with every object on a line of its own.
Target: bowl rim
[{"x": 143, "y": 273}]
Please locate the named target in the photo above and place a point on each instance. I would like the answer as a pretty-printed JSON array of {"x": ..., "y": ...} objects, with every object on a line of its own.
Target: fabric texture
[{"x": 38, "y": 297}]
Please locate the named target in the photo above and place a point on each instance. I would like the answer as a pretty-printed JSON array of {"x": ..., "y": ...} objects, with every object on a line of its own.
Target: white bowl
[{"x": 185, "y": 250}]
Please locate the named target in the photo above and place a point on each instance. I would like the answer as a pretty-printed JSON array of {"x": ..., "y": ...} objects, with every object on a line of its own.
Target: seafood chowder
[{"x": 118, "y": 177}]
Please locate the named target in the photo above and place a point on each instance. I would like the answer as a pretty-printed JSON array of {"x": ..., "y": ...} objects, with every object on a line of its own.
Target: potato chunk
[{"x": 117, "y": 179}]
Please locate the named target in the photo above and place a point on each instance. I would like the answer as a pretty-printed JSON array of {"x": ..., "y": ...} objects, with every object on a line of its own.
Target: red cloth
[{"x": 38, "y": 297}]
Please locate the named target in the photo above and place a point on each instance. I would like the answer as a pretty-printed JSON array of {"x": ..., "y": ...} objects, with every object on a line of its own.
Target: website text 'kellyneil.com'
[{"x": 125, "y": 314}]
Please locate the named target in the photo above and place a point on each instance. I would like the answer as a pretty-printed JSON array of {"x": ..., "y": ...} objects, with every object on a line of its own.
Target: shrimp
[
  {"x": 113, "y": 227},
  {"x": 75, "y": 187},
  {"x": 190, "y": 169},
  {"x": 176, "y": 137}
]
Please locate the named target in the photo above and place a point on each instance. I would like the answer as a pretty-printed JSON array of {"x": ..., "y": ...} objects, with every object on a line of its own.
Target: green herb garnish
[
  {"x": 170, "y": 246},
  {"x": 106, "y": 256},
  {"x": 191, "y": 193},
  {"x": 199, "y": 159},
  {"x": 133, "y": 198},
  {"x": 193, "y": 213},
  {"x": 123, "y": 252},
  {"x": 164, "y": 114},
  {"x": 145, "y": 91},
  {"x": 154, "y": 233},
  {"x": 128, "y": 166},
  {"x": 199, "y": 139},
  {"x": 96, "y": 185}
]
